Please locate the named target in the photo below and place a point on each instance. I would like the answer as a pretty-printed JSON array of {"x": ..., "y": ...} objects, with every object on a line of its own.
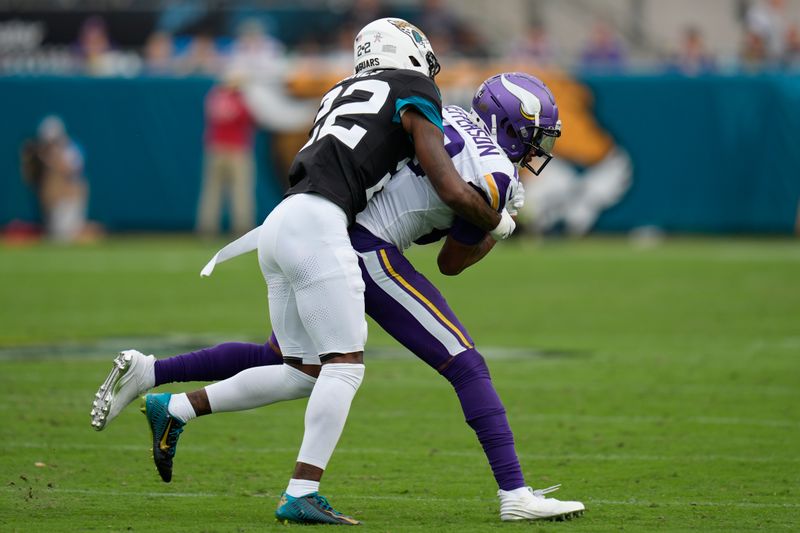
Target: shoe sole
[
  {"x": 340, "y": 520},
  {"x": 567, "y": 516},
  {"x": 105, "y": 394},
  {"x": 555, "y": 518},
  {"x": 287, "y": 521},
  {"x": 165, "y": 470}
]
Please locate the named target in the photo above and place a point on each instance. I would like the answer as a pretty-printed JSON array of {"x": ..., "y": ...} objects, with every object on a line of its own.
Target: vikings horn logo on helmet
[{"x": 529, "y": 106}]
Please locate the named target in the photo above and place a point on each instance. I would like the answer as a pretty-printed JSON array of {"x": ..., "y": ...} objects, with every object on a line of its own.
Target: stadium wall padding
[
  {"x": 142, "y": 140},
  {"x": 713, "y": 154}
]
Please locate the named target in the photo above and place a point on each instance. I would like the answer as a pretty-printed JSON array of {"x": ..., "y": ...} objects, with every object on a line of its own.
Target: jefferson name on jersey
[{"x": 485, "y": 145}]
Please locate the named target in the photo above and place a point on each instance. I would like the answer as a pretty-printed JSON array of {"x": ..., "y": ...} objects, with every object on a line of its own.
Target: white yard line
[
  {"x": 610, "y": 419},
  {"x": 611, "y": 457},
  {"x": 590, "y": 502}
]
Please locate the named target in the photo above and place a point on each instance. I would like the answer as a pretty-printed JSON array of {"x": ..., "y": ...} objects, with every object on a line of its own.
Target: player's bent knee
[
  {"x": 298, "y": 384},
  {"x": 466, "y": 366},
  {"x": 350, "y": 373}
]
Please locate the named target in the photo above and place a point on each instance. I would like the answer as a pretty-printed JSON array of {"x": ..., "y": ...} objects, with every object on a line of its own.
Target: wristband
[{"x": 505, "y": 228}]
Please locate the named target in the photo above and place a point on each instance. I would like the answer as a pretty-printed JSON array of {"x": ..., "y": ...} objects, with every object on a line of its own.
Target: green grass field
[{"x": 659, "y": 386}]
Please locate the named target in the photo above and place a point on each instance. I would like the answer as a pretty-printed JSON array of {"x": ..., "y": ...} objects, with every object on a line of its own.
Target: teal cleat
[
  {"x": 310, "y": 509},
  {"x": 165, "y": 429}
]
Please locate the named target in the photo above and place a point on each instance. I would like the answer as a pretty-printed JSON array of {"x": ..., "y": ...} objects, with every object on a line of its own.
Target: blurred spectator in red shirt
[{"x": 229, "y": 166}]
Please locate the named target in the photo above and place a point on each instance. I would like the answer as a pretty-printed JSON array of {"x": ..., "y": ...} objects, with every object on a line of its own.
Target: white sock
[
  {"x": 149, "y": 378},
  {"x": 327, "y": 409},
  {"x": 257, "y": 386},
  {"x": 181, "y": 408},
  {"x": 301, "y": 487},
  {"x": 522, "y": 491}
]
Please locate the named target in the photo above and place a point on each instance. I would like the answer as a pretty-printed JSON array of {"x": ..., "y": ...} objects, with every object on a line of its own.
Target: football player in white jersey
[{"x": 399, "y": 298}]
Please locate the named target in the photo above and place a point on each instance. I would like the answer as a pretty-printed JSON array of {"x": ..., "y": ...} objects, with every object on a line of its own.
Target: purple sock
[
  {"x": 216, "y": 363},
  {"x": 485, "y": 413}
]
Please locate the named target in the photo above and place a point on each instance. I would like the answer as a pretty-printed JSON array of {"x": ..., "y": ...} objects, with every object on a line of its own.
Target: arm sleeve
[
  {"x": 421, "y": 93},
  {"x": 466, "y": 233}
]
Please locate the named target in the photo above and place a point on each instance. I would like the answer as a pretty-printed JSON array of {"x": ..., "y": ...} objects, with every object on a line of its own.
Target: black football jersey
[{"x": 357, "y": 141}]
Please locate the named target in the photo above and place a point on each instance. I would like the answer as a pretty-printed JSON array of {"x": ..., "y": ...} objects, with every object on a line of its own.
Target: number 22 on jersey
[{"x": 325, "y": 122}]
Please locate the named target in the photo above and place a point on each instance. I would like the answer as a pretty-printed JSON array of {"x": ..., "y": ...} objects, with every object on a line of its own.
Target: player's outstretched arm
[
  {"x": 460, "y": 197},
  {"x": 455, "y": 257}
]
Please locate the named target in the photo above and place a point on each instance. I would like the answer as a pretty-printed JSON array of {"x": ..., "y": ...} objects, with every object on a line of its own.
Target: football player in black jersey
[{"x": 368, "y": 126}]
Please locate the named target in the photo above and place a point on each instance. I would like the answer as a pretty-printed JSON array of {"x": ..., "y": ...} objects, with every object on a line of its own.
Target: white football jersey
[{"x": 408, "y": 208}]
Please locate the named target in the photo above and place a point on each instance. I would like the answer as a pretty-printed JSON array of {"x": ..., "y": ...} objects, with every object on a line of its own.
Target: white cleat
[
  {"x": 131, "y": 376},
  {"x": 532, "y": 505}
]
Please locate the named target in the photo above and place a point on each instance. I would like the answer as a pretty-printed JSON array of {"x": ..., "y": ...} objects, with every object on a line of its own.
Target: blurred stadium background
[{"x": 679, "y": 116}]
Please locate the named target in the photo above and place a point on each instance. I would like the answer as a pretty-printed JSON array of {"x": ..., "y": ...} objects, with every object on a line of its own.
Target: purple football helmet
[{"x": 520, "y": 113}]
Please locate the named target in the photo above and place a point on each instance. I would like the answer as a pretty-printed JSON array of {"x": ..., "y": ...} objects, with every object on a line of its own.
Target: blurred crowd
[
  {"x": 770, "y": 40},
  {"x": 201, "y": 49},
  {"x": 256, "y": 63}
]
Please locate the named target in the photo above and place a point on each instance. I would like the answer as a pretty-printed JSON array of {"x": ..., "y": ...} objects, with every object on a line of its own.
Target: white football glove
[
  {"x": 505, "y": 228},
  {"x": 517, "y": 200}
]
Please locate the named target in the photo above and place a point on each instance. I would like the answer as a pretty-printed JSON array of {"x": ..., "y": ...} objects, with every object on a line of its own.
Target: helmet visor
[
  {"x": 547, "y": 140},
  {"x": 540, "y": 149}
]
